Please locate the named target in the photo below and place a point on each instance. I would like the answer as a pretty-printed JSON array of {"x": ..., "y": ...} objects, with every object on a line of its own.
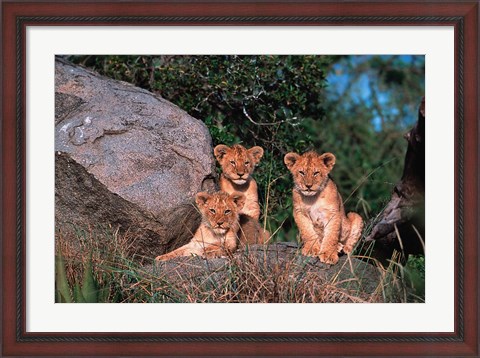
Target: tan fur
[
  {"x": 238, "y": 164},
  {"x": 217, "y": 235},
  {"x": 318, "y": 208},
  {"x": 251, "y": 232}
]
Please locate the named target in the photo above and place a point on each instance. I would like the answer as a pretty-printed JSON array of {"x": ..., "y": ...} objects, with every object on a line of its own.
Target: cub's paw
[
  {"x": 311, "y": 250},
  {"x": 348, "y": 249},
  {"x": 329, "y": 257},
  {"x": 161, "y": 258}
]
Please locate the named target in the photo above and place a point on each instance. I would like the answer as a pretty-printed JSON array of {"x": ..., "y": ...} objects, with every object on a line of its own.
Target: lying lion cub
[
  {"x": 237, "y": 165},
  {"x": 318, "y": 208},
  {"x": 218, "y": 233}
]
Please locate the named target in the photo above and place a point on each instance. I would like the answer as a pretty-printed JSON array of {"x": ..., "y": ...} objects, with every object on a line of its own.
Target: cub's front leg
[
  {"x": 192, "y": 248},
  {"x": 252, "y": 207},
  {"x": 310, "y": 237},
  {"x": 329, "y": 248},
  {"x": 231, "y": 241}
]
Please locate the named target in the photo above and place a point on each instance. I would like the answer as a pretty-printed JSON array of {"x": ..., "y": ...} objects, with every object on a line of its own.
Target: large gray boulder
[
  {"x": 149, "y": 153},
  {"x": 84, "y": 207},
  {"x": 142, "y": 147}
]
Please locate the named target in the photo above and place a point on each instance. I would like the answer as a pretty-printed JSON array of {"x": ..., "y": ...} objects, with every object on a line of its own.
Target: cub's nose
[
  {"x": 219, "y": 223},
  {"x": 308, "y": 186},
  {"x": 240, "y": 174}
]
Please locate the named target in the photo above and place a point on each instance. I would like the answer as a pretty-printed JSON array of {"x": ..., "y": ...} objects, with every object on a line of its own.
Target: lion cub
[
  {"x": 218, "y": 233},
  {"x": 237, "y": 165},
  {"x": 318, "y": 208}
]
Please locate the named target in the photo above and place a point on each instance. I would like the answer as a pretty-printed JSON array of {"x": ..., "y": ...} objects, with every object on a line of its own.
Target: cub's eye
[
  {"x": 247, "y": 162},
  {"x": 316, "y": 174},
  {"x": 232, "y": 162},
  {"x": 301, "y": 173},
  {"x": 227, "y": 212},
  {"x": 212, "y": 211}
]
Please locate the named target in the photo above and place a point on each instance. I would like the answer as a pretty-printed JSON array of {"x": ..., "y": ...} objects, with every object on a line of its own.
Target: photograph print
[{"x": 240, "y": 179}]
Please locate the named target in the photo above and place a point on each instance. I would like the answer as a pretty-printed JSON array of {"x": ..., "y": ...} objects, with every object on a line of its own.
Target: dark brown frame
[{"x": 17, "y": 14}]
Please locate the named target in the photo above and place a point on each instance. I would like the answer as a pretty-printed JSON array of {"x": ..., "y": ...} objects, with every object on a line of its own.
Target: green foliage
[
  {"x": 415, "y": 276},
  {"x": 62, "y": 291},
  {"x": 77, "y": 293},
  {"x": 88, "y": 292},
  {"x": 89, "y": 289}
]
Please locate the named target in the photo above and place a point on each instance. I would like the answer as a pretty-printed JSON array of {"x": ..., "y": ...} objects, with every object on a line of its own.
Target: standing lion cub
[
  {"x": 318, "y": 208},
  {"x": 217, "y": 234}
]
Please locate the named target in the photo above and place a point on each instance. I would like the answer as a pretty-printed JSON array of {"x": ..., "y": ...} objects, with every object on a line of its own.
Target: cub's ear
[
  {"x": 256, "y": 153},
  {"x": 290, "y": 159},
  {"x": 328, "y": 160},
  {"x": 201, "y": 198},
  {"x": 220, "y": 150},
  {"x": 238, "y": 199}
]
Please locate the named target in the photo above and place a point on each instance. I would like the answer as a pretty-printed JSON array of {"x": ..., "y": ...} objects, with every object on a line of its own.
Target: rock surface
[
  {"x": 140, "y": 146},
  {"x": 350, "y": 280},
  {"x": 126, "y": 158},
  {"x": 83, "y": 203}
]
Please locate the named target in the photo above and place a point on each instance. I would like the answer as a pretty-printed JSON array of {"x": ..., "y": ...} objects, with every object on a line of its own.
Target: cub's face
[
  {"x": 220, "y": 210},
  {"x": 237, "y": 162},
  {"x": 309, "y": 170}
]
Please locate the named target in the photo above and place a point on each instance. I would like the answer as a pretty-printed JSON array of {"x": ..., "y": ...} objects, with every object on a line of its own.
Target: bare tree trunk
[{"x": 401, "y": 226}]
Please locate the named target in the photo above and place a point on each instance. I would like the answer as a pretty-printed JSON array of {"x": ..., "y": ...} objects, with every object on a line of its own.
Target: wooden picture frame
[{"x": 17, "y": 15}]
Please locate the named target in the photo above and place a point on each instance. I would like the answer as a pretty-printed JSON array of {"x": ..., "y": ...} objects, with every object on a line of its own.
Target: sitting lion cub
[
  {"x": 237, "y": 165},
  {"x": 318, "y": 208},
  {"x": 217, "y": 234}
]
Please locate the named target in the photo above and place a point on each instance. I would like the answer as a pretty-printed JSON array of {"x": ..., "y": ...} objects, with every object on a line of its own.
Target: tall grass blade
[
  {"x": 63, "y": 290},
  {"x": 77, "y": 294},
  {"x": 89, "y": 286}
]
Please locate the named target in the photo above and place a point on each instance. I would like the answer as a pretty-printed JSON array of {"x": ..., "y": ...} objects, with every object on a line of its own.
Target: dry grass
[
  {"x": 102, "y": 247},
  {"x": 249, "y": 276}
]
